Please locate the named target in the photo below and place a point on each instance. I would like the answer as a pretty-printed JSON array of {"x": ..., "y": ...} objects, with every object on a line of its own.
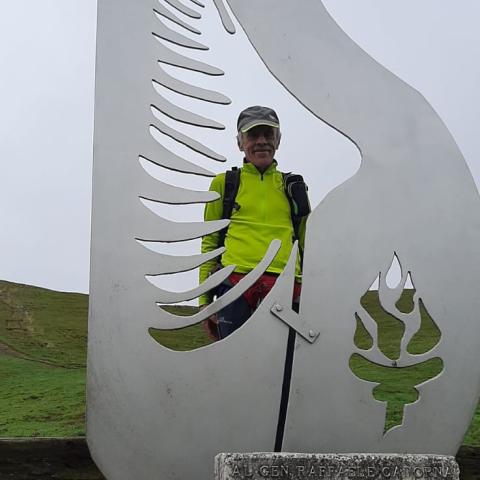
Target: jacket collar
[{"x": 250, "y": 168}]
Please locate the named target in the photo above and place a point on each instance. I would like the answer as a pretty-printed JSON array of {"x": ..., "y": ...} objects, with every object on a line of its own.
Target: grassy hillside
[
  {"x": 43, "y": 351},
  {"x": 43, "y": 325},
  {"x": 42, "y": 361}
]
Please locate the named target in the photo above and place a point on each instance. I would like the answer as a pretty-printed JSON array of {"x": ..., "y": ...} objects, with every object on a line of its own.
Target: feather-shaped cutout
[
  {"x": 167, "y": 81},
  {"x": 224, "y": 16},
  {"x": 158, "y": 191},
  {"x": 184, "y": 116},
  {"x": 165, "y": 33},
  {"x": 170, "y": 321},
  {"x": 167, "y": 297},
  {"x": 155, "y": 264},
  {"x": 173, "y": 58},
  {"x": 159, "y": 155},
  {"x": 161, "y": 230},
  {"x": 187, "y": 141},
  {"x": 164, "y": 12},
  {"x": 183, "y": 8},
  {"x": 197, "y": 2}
]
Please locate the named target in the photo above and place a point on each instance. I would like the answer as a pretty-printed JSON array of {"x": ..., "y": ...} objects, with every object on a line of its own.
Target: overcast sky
[{"x": 47, "y": 83}]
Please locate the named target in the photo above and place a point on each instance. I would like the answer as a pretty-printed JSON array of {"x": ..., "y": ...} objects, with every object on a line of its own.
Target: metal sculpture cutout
[{"x": 156, "y": 413}]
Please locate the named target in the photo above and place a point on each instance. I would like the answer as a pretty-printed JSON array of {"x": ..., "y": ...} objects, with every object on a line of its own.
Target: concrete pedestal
[{"x": 298, "y": 466}]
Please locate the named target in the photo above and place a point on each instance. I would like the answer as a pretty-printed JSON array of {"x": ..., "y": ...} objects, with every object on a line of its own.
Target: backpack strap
[
  {"x": 296, "y": 191},
  {"x": 232, "y": 183}
]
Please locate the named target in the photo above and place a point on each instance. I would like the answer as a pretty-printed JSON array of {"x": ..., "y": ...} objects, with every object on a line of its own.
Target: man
[{"x": 261, "y": 213}]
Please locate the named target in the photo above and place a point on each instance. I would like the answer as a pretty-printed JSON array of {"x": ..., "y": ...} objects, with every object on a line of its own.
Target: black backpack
[{"x": 295, "y": 188}]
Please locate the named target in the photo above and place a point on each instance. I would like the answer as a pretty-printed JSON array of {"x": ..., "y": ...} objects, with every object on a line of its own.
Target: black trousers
[{"x": 233, "y": 316}]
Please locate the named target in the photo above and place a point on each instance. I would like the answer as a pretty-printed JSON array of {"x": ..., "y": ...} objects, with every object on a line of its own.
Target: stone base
[{"x": 306, "y": 466}]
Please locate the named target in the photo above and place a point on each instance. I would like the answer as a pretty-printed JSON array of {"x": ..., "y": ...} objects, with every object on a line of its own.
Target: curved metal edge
[
  {"x": 187, "y": 141},
  {"x": 184, "y": 116},
  {"x": 161, "y": 156},
  {"x": 183, "y": 88},
  {"x": 184, "y": 9},
  {"x": 177, "y": 60},
  {"x": 160, "y": 9},
  {"x": 159, "y": 229},
  {"x": 157, "y": 264},
  {"x": 200, "y": 4},
  {"x": 162, "y": 31},
  {"x": 155, "y": 190},
  {"x": 224, "y": 16},
  {"x": 167, "y": 297},
  {"x": 172, "y": 322}
]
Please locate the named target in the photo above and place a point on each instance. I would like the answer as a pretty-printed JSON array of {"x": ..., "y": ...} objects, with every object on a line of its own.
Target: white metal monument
[{"x": 157, "y": 413}]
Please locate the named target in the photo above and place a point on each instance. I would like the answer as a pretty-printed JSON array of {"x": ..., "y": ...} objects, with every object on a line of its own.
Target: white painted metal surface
[{"x": 155, "y": 413}]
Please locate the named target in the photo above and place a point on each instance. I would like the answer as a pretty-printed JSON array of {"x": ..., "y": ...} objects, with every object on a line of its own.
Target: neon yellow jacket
[{"x": 264, "y": 215}]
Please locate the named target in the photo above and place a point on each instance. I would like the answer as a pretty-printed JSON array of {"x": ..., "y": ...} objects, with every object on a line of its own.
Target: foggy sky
[{"x": 47, "y": 84}]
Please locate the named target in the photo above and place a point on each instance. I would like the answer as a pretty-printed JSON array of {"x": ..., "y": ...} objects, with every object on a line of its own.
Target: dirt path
[{"x": 8, "y": 350}]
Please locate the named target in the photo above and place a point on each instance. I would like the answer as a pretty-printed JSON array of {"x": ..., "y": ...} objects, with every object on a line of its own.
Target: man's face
[{"x": 258, "y": 144}]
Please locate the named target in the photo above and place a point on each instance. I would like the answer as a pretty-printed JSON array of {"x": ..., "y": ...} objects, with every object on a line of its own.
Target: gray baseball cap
[{"x": 257, "y": 115}]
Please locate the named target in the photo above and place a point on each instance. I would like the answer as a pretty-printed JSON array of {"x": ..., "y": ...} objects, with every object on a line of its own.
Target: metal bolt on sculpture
[{"x": 156, "y": 413}]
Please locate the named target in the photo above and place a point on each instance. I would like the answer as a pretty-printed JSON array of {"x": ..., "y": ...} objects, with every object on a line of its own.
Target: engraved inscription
[
  {"x": 284, "y": 471},
  {"x": 308, "y": 466}
]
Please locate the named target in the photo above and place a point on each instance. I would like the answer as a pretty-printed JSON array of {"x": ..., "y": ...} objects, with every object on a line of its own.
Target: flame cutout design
[
  {"x": 395, "y": 338},
  {"x": 166, "y": 12}
]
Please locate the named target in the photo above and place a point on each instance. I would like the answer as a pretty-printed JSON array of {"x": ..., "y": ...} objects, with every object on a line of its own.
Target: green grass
[
  {"x": 43, "y": 324},
  {"x": 43, "y": 337},
  {"x": 396, "y": 386},
  {"x": 183, "y": 339},
  {"x": 43, "y": 350},
  {"x": 38, "y": 400}
]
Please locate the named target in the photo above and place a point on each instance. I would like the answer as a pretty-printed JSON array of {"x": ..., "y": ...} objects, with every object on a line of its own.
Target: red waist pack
[{"x": 260, "y": 289}]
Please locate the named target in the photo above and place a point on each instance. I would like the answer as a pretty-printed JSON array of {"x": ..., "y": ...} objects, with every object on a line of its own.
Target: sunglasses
[{"x": 262, "y": 130}]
